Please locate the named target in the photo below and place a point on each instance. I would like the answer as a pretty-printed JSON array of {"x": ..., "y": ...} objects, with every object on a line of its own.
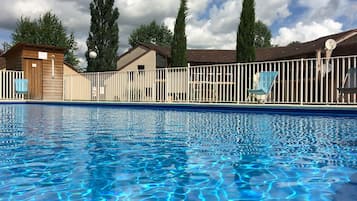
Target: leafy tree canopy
[
  {"x": 46, "y": 30},
  {"x": 294, "y": 43},
  {"x": 151, "y": 33},
  {"x": 262, "y": 35}
]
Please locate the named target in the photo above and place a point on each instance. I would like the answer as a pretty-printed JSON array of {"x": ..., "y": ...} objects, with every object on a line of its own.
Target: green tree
[
  {"x": 179, "y": 42},
  {"x": 103, "y": 36},
  {"x": 46, "y": 30},
  {"x": 26, "y": 31},
  {"x": 151, "y": 33},
  {"x": 294, "y": 43},
  {"x": 5, "y": 46},
  {"x": 262, "y": 35},
  {"x": 245, "y": 34}
]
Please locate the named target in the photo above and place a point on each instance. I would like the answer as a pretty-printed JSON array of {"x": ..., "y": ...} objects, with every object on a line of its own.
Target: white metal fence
[
  {"x": 303, "y": 81},
  {"x": 7, "y": 85}
]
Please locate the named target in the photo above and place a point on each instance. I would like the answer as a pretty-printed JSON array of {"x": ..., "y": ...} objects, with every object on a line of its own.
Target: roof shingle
[{"x": 301, "y": 50}]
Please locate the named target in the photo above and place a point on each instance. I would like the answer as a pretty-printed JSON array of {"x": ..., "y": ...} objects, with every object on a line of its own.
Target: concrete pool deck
[{"x": 342, "y": 110}]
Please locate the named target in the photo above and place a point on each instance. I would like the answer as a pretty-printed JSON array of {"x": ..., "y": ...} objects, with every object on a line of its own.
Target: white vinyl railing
[
  {"x": 7, "y": 85},
  {"x": 302, "y": 81}
]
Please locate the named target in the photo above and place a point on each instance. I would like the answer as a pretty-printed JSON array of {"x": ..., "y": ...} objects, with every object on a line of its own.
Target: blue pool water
[{"x": 102, "y": 153}]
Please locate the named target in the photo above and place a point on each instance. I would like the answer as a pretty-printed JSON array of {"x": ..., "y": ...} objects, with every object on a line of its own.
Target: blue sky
[
  {"x": 5, "y": 35},
  {"x": 210, "y": 24}
]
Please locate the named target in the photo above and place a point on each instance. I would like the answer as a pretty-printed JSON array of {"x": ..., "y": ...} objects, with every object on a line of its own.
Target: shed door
[{"x": 33, "y": 72}]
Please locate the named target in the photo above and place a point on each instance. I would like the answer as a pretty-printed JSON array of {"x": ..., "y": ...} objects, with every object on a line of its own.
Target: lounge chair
[
  {"x": 350, "y": 82},
  {"x": 21, "y": 86},
  {"x": 264, "y": 85}
]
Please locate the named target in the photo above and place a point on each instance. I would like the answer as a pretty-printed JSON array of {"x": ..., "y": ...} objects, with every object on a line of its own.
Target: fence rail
[
  {"x": 7, "y": 85},
  {"x": 302, "y": 81}
]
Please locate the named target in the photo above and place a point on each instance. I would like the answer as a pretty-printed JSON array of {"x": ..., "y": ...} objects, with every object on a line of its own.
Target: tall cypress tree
[
  {"x": 179, "y": 42},
  {"x": 245, "y": 35},
  {"x": 103, "y": 36}
]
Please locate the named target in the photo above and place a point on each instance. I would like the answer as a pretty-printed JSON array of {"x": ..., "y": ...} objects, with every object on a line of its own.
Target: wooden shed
[{"x": 42, "y": 66}]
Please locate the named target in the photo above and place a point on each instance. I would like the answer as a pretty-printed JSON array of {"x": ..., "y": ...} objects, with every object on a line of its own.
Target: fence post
[
  {"x": 71, "y": 87},
  {"x": 301, "y": 82},
  {"x": 63, "y": 88},
  {"x": 98, "y": 87},
  {"x": 188, "y": 83},
  {"x": 21, "y": 76},
  {"x": 1, "y": 84},
  {"x": 166, "y": 85},
  {"x": 238, "y": 85}
]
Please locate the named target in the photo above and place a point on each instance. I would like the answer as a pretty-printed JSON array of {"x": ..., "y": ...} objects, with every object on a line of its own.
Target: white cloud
[
  {"x": 218, "y": 30},
  {"x": 306, "y": 31},
  {"x": 210, "y": 23},
  {"x": 323, "y": 9},
  {"x": 273, "y": 10},
  {"x": 198, "y": 7},
  {"x": 29, "y": 8}
]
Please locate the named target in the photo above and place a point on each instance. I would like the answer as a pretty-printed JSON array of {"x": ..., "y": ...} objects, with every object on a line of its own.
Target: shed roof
[
  {"x": 19, "y": 46},
  {"x": 2, "y": 60}
]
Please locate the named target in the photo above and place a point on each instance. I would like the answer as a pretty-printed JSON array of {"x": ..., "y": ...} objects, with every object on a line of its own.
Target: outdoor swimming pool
[{"x": 52, "y": 152}]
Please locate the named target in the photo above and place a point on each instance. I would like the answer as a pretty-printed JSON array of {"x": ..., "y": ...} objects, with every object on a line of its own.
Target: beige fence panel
[{"x": 300, "y": 81}]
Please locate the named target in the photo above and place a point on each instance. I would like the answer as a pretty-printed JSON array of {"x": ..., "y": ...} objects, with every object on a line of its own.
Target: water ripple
[{"x": 94, "y": 153}]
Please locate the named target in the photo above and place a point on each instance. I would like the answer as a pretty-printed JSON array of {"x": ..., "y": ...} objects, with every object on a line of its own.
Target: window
[{"x": 141, "y": 69}]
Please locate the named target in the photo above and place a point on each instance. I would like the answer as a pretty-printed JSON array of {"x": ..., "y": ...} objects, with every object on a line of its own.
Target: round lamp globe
[{"x": 92, "y": 55}]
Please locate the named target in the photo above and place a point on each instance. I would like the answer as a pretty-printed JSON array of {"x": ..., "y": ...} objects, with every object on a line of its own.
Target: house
[
  {"x": 146, "y": 58},
  {"x": 50, "y": 78},
  {"x": 153, "y": 56},
  {"x": 42, "y": 66}
]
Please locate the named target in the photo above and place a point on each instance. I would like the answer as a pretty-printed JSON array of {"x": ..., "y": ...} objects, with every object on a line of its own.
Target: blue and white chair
[
  {"x": 263, "y": 87},
  {"x": 21, "y": 86}
]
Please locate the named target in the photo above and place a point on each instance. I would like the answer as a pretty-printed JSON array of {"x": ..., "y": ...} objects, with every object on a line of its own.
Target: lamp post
[
  {"x": 95, "y": 88},
  {"x": 93, "y": 54}
]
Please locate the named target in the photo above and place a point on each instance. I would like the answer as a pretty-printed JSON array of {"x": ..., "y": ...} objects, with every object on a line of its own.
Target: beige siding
[
  {"x": 177, "y": 82},
  {"x": 129, "y": 57},
  {"x": 148, "y": 60},
  {"x": 76, "y": 87},
  {"x": 68, "y": 70},
  {"x": 137, "y": 85},
  {"x": 116, "y": 87}
]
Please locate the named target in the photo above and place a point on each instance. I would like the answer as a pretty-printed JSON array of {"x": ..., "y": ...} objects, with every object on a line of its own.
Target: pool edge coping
[{"x": 350, "y": 109}]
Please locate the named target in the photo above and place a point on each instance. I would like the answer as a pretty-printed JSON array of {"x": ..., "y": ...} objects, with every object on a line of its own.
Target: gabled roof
[
  {"x": 145, "y": 49},
  {"x": 301, "y": 50},
  {"x": 198, "y": 56},
  {"x": 309, "y": 48}
]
